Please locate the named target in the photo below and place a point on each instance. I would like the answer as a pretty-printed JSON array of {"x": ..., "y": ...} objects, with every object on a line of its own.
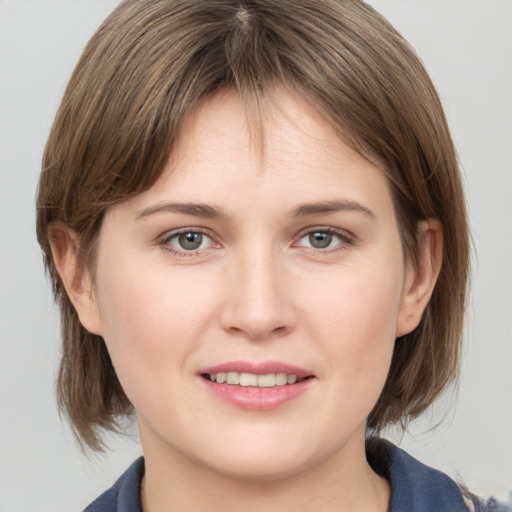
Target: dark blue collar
[
  {"x": 124, "y": 495},
  {"x": 414, "y": 486}
]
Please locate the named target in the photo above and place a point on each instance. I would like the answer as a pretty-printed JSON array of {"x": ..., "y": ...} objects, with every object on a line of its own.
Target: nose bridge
[{"x": 259, "y": 304}]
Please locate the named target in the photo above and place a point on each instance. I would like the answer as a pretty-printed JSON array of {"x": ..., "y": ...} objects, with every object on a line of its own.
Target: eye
[
  {"x": 189, "y": 240},
  {"x": 319, "y": 239},
  {"x": 325, "y": 238}
]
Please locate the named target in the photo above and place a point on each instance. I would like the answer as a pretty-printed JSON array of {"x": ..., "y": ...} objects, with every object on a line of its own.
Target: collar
[{"x": 414, "y": 486}]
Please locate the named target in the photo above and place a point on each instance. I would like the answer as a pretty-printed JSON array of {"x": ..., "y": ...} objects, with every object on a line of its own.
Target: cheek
[
  {"x": 357, "y": 300},
  {"x": 356, "y": 323},
  {"x": 151, "y": 321},
  {"x": 137, "y": 295}
]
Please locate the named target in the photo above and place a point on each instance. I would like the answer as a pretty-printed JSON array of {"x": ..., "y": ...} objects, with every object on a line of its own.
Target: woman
[{"x": 255, "y": 227}]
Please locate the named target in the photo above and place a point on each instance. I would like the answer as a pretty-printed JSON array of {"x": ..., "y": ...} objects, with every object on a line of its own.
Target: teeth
[
  {"x": 233, "y": 378},
  {"x": 248, "y": 379},
  {"x": 291, "y": 379},
  {"x": 269, "y": 380},
  {"x": 282, "y": 379}
]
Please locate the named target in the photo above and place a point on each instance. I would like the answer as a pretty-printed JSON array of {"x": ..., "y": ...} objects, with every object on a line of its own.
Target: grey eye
[
  {"x": 190, "y": 241},
  {"x": 320, "y": 239},
  {"x": 187, "y": 242}
]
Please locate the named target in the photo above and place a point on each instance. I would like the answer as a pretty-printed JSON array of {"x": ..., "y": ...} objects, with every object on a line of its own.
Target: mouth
[
  {"x": 245, "y": 379},
  {"x": 257, "y": 386}
]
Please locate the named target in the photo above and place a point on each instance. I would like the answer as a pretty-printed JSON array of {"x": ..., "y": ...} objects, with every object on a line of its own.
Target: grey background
[{"x": 466, "y": 46}]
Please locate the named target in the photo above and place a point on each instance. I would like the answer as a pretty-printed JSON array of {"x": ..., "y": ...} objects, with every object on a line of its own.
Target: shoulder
[
  {"x": 415, "y": 486},
  {"x": 490, "y": 505},
  {"x": 124, "y": 495}
]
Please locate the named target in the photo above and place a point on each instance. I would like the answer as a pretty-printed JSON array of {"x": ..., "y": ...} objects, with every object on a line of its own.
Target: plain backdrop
[{"x": 466, "y": 46}]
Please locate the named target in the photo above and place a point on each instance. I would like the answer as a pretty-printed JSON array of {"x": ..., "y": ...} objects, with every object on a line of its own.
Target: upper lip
[{"x": 258, "y": 368}]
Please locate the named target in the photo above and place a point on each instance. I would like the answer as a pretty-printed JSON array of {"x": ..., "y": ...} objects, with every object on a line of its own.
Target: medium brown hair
[{"x": 150, "y": 65}]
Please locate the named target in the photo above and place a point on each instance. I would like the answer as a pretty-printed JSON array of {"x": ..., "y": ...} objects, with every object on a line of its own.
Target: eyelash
[
  {"x": 166, "y": 239},
  {"x": 345, "y": 240}
]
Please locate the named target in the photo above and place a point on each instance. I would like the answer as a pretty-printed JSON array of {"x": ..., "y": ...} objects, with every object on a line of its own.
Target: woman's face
[{"x": 279, "y": 265}]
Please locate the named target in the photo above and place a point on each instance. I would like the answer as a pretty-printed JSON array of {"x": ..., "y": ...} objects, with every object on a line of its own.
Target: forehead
[
  {"x": 287, "y": 136},
  {"x": 292, "y": 155}
]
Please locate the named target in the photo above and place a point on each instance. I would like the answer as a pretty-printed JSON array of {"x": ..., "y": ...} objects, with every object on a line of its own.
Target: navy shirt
[{"x": 414, "y": 486}]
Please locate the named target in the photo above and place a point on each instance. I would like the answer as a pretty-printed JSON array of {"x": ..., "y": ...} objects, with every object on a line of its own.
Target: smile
[
  {"x": 257, "y": 386},
  {"x": 245, "y": 379}
]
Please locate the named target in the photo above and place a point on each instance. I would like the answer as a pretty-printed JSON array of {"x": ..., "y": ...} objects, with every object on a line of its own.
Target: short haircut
[{"x": 153, "y": 62}]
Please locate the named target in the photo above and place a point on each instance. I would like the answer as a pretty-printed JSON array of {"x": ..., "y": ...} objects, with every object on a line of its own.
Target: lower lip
[{"x": 258, "y": 399}]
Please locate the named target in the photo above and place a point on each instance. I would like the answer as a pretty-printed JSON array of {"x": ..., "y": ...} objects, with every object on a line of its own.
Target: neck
[{"x": 343, "y": 482}]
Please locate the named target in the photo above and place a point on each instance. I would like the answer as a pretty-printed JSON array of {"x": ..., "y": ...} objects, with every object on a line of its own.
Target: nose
[{"x": 258, "y": 303}]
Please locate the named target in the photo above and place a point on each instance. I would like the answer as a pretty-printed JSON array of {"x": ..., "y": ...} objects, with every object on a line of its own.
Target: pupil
[
  {"x": 190, "y": 241},
  {"x": 320, "y": 240}
]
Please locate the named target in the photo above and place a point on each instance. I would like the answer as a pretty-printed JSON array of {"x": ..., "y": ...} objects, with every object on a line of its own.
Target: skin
[{"x": 257, "y": 290}]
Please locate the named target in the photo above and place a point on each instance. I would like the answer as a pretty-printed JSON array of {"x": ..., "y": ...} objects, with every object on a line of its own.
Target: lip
[
  {"x": 253, "y": 398},
  {"x": 259, "y": 368}
]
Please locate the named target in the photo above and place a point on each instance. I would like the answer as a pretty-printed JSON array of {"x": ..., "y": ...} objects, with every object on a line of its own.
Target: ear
[
  {"x": 420, "y": 280},
  {"x": 77, "y": 282}
]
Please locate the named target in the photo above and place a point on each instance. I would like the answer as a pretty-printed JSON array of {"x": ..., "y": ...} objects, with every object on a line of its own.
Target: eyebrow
[
  {"x": 331, "y": 207},
  {"x": 214, "y": 212},
  {"x": 197, "y": 210}
]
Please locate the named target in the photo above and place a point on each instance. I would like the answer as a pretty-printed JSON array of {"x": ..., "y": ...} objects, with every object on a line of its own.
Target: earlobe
[
  {"x": 76, "y": 281},
  {"x": 421, "y": 279}
]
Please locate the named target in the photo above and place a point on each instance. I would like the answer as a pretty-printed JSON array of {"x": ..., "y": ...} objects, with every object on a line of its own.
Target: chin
[
  {"x": 266, "y": 468},
  {"x": 269, "y": 457}
]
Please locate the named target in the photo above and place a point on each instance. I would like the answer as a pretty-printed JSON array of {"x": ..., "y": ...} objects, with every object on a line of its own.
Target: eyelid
[
  {"x": 178, "y": 231},
  {"x": 345, "y": 236},
  {"x": 164, "y": 240}
]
